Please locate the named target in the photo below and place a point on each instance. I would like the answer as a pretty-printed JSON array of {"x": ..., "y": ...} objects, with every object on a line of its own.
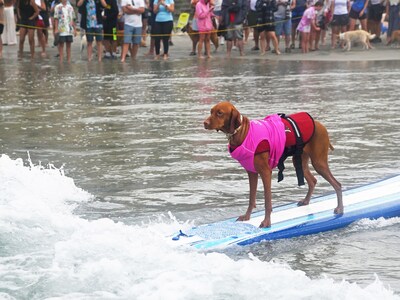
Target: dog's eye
[{"x": 220, "y": 113}]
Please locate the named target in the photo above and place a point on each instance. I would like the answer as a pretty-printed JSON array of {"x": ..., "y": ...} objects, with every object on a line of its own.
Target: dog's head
[
  {"x": 341, "y": 35},
  {"x": 224, "y": 116}
]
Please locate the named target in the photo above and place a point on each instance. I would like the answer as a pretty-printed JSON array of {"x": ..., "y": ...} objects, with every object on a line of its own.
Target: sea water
[
  {"x": 99, "y": 167},
  {"x": 48, "y": 252}
]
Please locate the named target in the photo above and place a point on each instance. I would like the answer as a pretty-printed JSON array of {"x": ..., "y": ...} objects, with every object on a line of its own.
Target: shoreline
[{"x": 183, "y": 45}]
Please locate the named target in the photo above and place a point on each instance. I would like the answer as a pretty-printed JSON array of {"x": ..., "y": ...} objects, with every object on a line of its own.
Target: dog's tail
[{"x": 371, "y": 36}]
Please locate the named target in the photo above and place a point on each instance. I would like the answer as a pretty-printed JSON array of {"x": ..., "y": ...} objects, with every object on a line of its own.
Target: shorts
[
  {"x": 65, "y": 39},
  {"x": 29, "y": 24},
  {"x": 305, "y": 29},
  {"x": 1, "y": 28},
  {"x": 110, "y": 30},
  {"x": 234, "y": 32},
  {"x": 283, "y": 27},
  {"x": 356, "y": 15},
  {"x": 218, "y": 13},
  {"x": 375, "y": 12},
  {"x": 340, "y": 20},
  {"x": 269, "y": 27},
  {"x": 40, "y": 23},
  {"x": 132, "y": 35},
  {"x": 92, "y": 33}
]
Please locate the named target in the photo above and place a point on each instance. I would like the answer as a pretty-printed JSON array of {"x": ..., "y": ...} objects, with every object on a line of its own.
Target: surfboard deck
[{"x": 372, "y": 201}]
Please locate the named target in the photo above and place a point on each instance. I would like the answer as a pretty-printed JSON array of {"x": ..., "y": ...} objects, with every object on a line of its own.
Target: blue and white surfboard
[{"x": 372, "y": 201}]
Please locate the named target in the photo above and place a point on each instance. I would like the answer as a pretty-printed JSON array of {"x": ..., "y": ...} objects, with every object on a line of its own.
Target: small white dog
[
  {"x": 83, "y": 41},
  {"x": 361, "y": 36}
]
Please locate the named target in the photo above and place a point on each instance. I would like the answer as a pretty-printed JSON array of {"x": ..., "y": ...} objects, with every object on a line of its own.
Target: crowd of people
[{"x": 122, "y": 25}]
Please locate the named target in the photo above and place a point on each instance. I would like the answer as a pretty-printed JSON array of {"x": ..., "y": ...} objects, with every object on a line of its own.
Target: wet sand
[{"x": 182, "y": 47}]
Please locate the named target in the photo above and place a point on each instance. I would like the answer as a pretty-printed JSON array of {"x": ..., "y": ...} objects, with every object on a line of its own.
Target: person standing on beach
[
  {"x": 1, "y": 26},
  {"x": 163, "y": 25},
  {"x": 204, "y": 12},
  {"x": 110, "y": 28},
  {"x": 307, "y": 21},
  {"x": 27, "y": 12},
  {"x": 234, "y": 13},
  {"x": 133, "y": 10},
  {"x": 283, "y": 21},
  {"x": 340, "y": 19},
  {"x": 64, "y": 25},
  {"x": 375, "y": 12},
  {"x": 41, "y": 25},
  {"x": 92, "y": 22},
  {"x": 9, "y": 35},
  {"x": 266, "y": 24},
  {"x": 392, "y": 13},
  {"x": 358, "y": 11},
  {"x": 297, "y": 14}
]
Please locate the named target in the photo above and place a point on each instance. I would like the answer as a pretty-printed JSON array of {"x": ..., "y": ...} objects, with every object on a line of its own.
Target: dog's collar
[{"x": 230, "y": 135}]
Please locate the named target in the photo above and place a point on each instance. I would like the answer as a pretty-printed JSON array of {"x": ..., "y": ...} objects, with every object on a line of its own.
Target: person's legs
[
  {"x": 22, "y": 33},
  {"x": 305, "y": 36},
  {"x": 208, "y": 44},
  {"x": 89, "y": 39},
  {"x": 229, "y": 45},
  {"x": 31, "y": 38},
  {"x": 68, "y": 46},
  {"x": 272, "y": 36},
  {"x": 42, "y": 40},
  {"x": 90, "y": 50},
  {"x": 136, "y": 40},
  {"x": 61, "y": 51},
  {"x": 144, "y": 32},
  {"x": 202, "y": 36},
  {"x": 128, "y": 31},
  {"x": 263, "y": 43},
  {"x": 363, "y": 23},
  {"x": 352, "y": 24}
]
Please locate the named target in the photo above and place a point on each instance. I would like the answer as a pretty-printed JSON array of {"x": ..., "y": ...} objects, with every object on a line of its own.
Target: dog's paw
[
  {"x": 243, "y": 218},
  {"x": 339, "y": 210},
  {"x": 265, "y": 223},
  {"x": 303, "y": 202}
]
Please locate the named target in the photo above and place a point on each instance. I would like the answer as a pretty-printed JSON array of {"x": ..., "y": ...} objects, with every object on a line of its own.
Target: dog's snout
[{"x": 207, "y": 123}]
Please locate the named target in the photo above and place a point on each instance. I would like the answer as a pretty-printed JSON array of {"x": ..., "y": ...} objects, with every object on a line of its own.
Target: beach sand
[{"x": 183, "y": 45}]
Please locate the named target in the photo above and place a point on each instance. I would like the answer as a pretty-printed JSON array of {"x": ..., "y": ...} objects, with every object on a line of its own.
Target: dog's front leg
[
  {"x": 262, "y": 167},
  {"x": 253, "y": 180}
]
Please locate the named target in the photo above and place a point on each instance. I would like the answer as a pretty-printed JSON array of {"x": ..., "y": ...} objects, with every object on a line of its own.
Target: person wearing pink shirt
[
  {"x": 307, "y": 21},
  {"x": 204, "y": 12}
]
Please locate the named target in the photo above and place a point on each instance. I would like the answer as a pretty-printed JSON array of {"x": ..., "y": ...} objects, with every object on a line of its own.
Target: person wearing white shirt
[{"x": 133, "y": 10}]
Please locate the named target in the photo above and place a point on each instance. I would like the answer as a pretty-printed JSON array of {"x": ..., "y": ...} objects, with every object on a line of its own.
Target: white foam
[{"x": 47, "y": 252}]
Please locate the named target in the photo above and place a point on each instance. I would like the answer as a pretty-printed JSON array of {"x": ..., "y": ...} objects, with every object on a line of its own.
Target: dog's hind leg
[
  {"x": 311, "y": 180},
  {"x": 324, "y": 171},
  {"x": 318, "y": 149}
]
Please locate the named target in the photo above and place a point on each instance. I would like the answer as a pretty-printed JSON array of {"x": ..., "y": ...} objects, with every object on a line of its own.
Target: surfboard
[{"x": 372, "y": 201}]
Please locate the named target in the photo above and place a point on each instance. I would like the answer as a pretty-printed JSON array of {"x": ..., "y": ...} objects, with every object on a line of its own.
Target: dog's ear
[{"x": 235, "y": 120}]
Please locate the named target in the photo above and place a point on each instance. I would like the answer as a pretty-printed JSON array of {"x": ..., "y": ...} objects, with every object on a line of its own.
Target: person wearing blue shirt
[{"x": 163, "y": 25}]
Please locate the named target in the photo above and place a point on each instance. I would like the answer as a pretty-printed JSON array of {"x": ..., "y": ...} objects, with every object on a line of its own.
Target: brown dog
[
  {"x": 395, "y": 38},
  {"x": 194, "y": 37},
  {"x": 226, "y": 118}
]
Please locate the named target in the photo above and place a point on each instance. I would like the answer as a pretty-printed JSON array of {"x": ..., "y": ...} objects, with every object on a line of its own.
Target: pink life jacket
[{"x": 271, "y": 129}]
